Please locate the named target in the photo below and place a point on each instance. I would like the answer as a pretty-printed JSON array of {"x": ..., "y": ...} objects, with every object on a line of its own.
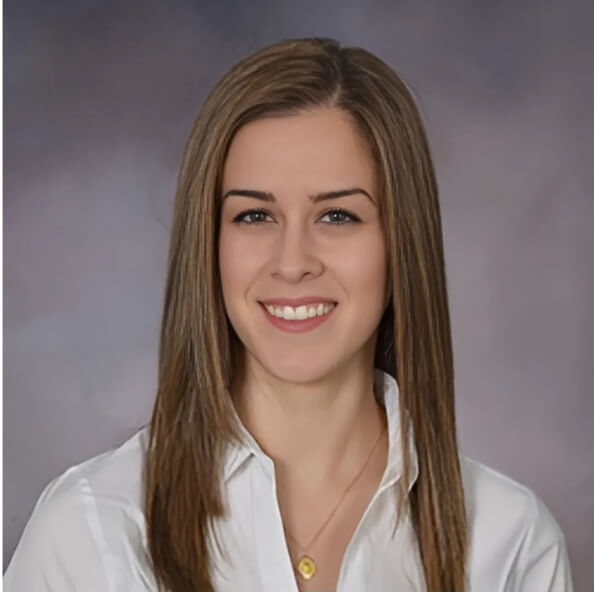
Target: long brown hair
[{"x": 192, "y": 421}]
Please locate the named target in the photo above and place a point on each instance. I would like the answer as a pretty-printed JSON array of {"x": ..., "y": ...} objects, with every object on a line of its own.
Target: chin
[
  {"x": 299, "y": 369},
  {"x": 299, "y": 373}
]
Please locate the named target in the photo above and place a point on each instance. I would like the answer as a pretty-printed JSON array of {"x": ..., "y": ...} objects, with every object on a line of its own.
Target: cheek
[
  {"x": 228, "y": 263},
  {"x": 364, "y": 269},
  {"x": 236, "y": 264}
]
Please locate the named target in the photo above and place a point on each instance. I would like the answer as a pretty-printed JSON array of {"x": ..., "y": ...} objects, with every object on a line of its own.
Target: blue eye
[{"x": 258, "y": 217}]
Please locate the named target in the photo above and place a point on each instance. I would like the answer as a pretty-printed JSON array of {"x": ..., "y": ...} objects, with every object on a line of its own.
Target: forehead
[{"x": 316, "y": 148}]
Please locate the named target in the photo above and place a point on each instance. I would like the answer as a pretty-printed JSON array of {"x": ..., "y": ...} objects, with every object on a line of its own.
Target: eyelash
[{"x": 241, "y": 215}]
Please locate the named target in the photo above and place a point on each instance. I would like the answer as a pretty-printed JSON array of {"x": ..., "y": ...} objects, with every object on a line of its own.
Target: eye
[
  {"x": 338, "y": 213},
  {"x": 258, "y": 214},
  {"x": 337, "y": 216}
]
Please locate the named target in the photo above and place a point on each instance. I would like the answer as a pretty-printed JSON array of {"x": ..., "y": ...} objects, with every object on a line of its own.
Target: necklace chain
[{"x": 350, "y": 485}]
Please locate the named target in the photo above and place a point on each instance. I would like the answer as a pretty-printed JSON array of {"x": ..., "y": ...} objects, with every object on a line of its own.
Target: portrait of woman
[{"x": 303, "y": 435}]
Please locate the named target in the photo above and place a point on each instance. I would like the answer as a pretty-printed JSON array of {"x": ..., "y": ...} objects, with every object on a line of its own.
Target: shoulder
[
  {"x": 507, "y": 507},
  {"x": 514, "y": 539},
  {"x": 86, "y": 531},
  {"x": 112, "y": 477}
]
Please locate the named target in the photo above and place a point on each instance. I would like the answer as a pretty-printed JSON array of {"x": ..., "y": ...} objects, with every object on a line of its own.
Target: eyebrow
[{"x": 269, "y": 196}]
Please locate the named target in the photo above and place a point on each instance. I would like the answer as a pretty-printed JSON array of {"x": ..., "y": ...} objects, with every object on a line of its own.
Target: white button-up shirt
[{"x": 87, "y": 531}]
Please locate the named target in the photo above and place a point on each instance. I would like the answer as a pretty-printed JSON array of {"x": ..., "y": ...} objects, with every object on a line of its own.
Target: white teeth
[{"x": 300, "y": 313}]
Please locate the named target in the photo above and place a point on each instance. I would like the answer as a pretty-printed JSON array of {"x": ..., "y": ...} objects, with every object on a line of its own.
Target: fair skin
[{"x": 307, "y": 398}]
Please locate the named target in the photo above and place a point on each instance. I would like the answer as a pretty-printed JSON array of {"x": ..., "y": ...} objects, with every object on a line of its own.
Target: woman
[{"x": 303, "y": 435}]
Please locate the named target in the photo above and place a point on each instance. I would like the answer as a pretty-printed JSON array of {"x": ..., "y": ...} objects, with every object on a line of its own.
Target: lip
[
  {"x": 297, "y": 326},
  {"x": 297, "y": 302}
]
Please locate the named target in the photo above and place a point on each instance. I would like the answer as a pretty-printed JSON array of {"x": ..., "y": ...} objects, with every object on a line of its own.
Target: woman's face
[{"x": 296, "y": 246}]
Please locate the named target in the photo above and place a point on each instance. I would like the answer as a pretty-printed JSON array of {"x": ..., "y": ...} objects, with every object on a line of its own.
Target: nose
[{"x": 296, "y": 255}]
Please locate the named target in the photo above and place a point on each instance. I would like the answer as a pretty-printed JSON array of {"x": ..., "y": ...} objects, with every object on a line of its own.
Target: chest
[
  {"x": 323, "y": 530},
  {"x": 327, "y": 553},
  {"x": 357, "y": 551}
]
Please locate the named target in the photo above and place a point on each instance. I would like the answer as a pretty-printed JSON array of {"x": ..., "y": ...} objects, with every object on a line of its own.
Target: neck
[{"x": 318, "y": 434}]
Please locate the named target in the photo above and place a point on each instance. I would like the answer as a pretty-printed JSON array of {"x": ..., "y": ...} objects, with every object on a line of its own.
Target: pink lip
[
  {"x": 297, "y": 326},
  {"x": 297, "y": 302}
]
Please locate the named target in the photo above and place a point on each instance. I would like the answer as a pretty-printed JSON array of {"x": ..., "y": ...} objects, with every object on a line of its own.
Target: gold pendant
[{"x": 307, "y": 567}]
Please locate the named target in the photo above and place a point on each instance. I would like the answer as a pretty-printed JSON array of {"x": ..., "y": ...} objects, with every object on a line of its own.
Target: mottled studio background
[{"x": 99, "y": 98}]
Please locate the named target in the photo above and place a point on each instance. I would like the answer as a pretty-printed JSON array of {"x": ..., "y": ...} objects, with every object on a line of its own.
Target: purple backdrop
[{"x": 99, "y": 98}]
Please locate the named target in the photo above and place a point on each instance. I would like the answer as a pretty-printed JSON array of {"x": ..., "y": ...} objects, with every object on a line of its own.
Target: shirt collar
[{"x": 387, "y": 393}]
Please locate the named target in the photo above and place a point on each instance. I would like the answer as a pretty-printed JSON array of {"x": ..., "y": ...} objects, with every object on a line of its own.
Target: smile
[
  {"x": 301, "y": 312},
  {"x": 298, "y": 319}
]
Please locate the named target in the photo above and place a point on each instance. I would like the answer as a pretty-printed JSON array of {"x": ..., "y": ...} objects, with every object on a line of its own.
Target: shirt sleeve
[
  {"x": 542, "y": 563},
  {"x": 62, "y": 547}
]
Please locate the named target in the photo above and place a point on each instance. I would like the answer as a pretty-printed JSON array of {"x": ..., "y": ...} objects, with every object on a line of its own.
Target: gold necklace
[{"x": 306, "y": 565}]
